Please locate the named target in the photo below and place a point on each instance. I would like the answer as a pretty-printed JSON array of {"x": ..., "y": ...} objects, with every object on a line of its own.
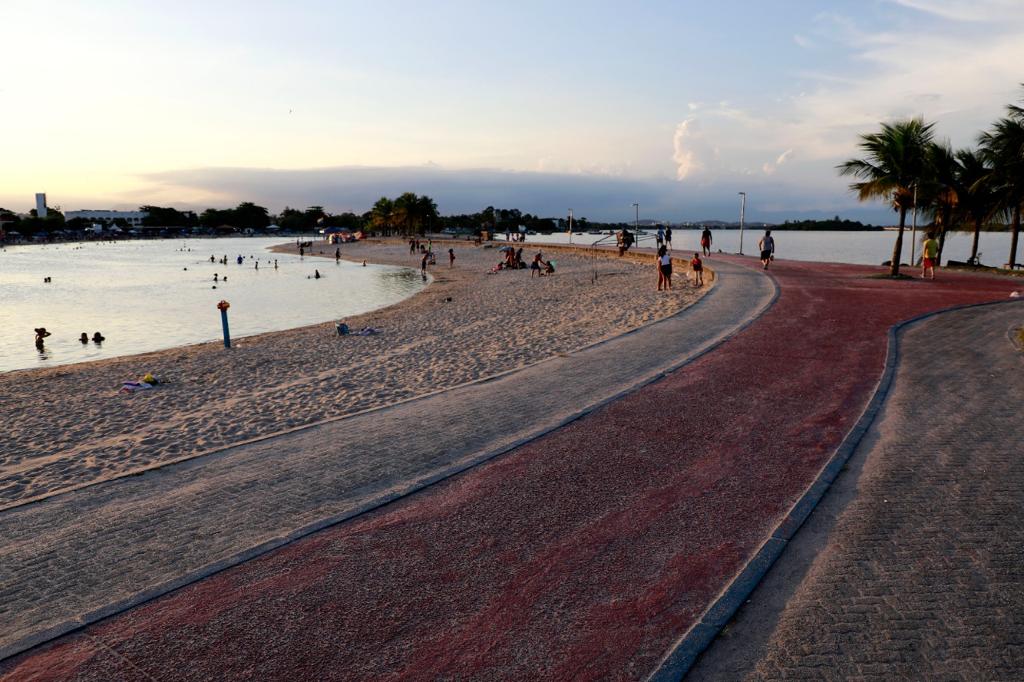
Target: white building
[{"x": 132, "y": 217}]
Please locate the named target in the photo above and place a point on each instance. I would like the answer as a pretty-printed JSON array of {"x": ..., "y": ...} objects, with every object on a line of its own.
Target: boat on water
[{"x": 595, "y": 232}]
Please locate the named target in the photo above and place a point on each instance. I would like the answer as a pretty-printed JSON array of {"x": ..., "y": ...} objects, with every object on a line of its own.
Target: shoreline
[{"x": 283, "y": 380}]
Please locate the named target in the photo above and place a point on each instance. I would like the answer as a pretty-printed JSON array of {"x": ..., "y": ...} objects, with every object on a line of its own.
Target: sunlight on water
[{"x": 148, "y": 295}]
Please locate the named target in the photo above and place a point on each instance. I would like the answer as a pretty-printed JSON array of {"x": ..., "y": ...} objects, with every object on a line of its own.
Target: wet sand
[{"x": 68, "y": 426}]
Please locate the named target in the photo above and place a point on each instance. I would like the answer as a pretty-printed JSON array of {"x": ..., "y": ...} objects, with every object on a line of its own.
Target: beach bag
[{"x": 342, "y": 328}]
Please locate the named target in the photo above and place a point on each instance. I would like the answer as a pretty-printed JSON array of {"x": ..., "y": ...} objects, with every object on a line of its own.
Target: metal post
[
  {"x": 636, "y": 222},
  {"x": 570, "y": 226},
  {"x": 743, "y": 208},
  {"x": 913, "y": 229},
  {"x": 223, "y": 307}
]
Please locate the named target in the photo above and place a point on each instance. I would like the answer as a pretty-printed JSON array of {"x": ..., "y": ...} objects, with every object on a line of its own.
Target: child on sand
[
  {"x": 664, "y": 262},
  {"x": 451, "y": 257},
  {"x": 697, "y": 265}
]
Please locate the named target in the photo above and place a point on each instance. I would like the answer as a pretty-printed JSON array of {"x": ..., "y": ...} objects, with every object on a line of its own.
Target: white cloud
[
  {"x": 771, "y": 166},
  {"x": 968, "y": 10},
  {"x": 683, "y": 152},
  {"x": 802, "y": 41}
]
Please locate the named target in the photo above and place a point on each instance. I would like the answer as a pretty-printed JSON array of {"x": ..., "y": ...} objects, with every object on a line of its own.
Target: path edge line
[
  {"x": 72, "y": 625},
  {"x": 680, "y": 658}
]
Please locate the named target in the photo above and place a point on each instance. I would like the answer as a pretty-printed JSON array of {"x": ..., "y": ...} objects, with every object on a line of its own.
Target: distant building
[
  {"x": 131, "y": 217},
  {"x": 41, "y": 204}
]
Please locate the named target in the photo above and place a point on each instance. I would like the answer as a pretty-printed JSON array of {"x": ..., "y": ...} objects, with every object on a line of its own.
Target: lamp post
[
  {"x": 636, "y": 222},
  {"x": 743, "y": 208},
  {"x": 570, "y": 226}
]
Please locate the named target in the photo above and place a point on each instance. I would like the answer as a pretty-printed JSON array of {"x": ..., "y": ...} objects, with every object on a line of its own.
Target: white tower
[{"x": 41, "y": 204}]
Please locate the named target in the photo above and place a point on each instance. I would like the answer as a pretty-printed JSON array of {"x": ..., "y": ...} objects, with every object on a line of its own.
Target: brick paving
[
  {"x": 583, "y": 554},
  {"x": 922, "y": 576},
  {"x": 72, "y": 555}
]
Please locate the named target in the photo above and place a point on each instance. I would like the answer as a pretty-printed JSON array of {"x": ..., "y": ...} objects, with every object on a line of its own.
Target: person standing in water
[
  {"x": 41, "y": 334},
  {"x": 767, "y": 246}
]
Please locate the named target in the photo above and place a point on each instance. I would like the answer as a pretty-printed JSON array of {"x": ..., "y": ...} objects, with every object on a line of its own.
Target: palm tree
[
  {"x": 1002, "y": 148},
  {"x": 426, "y": 210},
  {"x": 381, "y": 213},
  {"x": 942, "y": 187},
  {"x": 895, "y": 160},
  {"x": 976, "y": 198}
]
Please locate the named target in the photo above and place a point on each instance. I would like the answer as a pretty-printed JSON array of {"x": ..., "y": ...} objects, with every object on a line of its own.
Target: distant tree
[
  {"x": 381, "y": 214},
  {"x": 895, "y": 160},
  {"x": 248, "y": 215}
]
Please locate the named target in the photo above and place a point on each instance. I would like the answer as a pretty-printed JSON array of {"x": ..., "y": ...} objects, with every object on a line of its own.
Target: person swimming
[
  {"x": 84, "y": 338},
  {"x": 98, "y": 338}
]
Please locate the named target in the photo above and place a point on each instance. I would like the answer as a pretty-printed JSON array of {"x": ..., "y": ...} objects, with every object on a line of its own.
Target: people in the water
[
  {"x": 41, "y": 334},
  {"x": 98, "y": 338},
  {"x": 84, "y": 338}
]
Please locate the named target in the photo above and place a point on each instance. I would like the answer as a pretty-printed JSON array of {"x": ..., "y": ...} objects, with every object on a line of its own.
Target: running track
[{"x": 584, "y": 554}]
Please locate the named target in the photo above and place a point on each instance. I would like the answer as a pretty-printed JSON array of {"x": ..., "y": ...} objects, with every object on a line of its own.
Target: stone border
[
  {"x": 676, "y": 663},
  {"x": 75, "y": 624}
]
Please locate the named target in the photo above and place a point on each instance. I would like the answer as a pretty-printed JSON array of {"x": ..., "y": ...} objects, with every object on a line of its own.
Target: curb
[
  {"x": 72, "y": 625},
  {"x": 675, "y": 664}
]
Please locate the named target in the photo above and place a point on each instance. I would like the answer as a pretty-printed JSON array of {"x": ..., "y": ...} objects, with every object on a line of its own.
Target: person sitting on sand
[
  {"x": 98, "y": 338},
  {"x": 549, "y": 268},
  {"x": 697, "y": 265},
  {"x": 316, "y": 274},
  {"x": 41, "y": 334},
  {"x": 84, "y": 338}
]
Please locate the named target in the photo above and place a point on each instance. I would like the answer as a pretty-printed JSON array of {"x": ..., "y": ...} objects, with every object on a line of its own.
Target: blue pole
[{"x": 224, "y": 323}]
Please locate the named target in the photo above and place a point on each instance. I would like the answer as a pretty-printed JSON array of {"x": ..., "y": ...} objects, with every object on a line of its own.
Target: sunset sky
[{"x": 544, "y": 106}]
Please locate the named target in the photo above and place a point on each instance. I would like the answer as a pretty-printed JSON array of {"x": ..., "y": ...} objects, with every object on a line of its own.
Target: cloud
[
  {"x": 770, "y": 167},
  {"x": 682, "y": 148},
  {"x": 968, "y": 10},
  {"x": 802, "y": 41},
  {"x": 596, "y": 197}
]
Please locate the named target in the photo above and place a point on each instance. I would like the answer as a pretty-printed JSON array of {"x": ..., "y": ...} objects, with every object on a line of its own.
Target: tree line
[{"x": 905, "y": 165}]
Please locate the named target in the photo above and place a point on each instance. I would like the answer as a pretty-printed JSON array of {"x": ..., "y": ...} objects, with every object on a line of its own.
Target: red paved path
[{"x": 582, "y": 555}]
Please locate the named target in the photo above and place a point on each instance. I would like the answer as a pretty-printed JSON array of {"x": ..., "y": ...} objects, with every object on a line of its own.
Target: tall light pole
[
  {"x": 636, "y": 222},
  {"x": 570, "y": 226},
  {"x": 743, "y": 209}
]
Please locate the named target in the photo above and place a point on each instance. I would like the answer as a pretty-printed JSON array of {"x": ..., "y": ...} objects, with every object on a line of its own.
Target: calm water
[
  {"x": 142, "y": 298},
  {"x": 868, "y": 248}
]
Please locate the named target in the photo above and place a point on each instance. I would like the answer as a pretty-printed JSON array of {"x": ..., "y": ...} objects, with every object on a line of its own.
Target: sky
[{"x": 677, "y": 105}]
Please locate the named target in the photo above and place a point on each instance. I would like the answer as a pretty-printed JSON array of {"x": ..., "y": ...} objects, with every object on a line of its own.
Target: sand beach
[{"x": 68, "y": 426}]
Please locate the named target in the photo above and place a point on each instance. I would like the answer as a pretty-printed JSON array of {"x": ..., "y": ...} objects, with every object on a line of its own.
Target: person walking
[
  {"x": 705, "y": 241},
  {"x": 423, "y": 265},
  {"x": 697, "y": 265},
  {"x": 767, "y": 247},
  {"x": 451, "y": 258},
  {"x": 930, "y": 256}
]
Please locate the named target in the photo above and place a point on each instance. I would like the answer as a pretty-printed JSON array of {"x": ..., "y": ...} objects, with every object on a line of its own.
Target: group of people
[{"x": 42, "y": 333}]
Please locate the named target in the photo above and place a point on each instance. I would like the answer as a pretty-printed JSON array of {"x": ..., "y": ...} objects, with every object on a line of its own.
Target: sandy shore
[{"x": 68, "y": 426}]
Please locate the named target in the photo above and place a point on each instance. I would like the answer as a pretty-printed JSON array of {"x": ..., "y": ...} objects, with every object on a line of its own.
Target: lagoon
[{"x": 150, "y": 295}]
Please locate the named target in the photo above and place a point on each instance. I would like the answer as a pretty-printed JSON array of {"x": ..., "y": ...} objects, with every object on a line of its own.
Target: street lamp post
[
  {"x": 743, "y": 209},
  {"x": 570, "y": 226},
  {"x": 636, "y": 222}
]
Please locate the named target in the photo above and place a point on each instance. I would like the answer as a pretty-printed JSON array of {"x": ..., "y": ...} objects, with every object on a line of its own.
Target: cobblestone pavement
[
  {"x": 922, "y": 574},
  {"x": 584, "y": 554},
  {"x": 71, "y": 557}
]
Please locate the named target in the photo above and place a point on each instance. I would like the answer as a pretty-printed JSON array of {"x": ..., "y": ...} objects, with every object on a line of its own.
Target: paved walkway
[
  {"x": 583, "y": 554},
  {"x": 920, "y": 576},
  {"x": 75, "y": 557}
]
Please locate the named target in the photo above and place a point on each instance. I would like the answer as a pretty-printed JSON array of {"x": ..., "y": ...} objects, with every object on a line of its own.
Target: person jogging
[{"x": 767, "y": 246}]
